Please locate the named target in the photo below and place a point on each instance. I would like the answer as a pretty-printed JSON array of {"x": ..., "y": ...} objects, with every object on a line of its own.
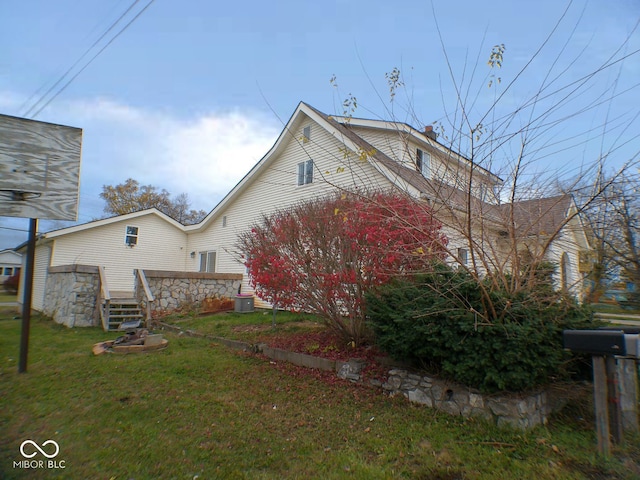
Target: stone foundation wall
[
  {"x": 173, "y": 290},
  {"x": 70, "y": 295}
]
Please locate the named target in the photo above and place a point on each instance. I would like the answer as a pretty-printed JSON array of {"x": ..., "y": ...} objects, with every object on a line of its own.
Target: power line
[
  {"x": 14, "y": 229},
  {"x": 55, "y": 95},
  {"x": 104, "y": 34}
]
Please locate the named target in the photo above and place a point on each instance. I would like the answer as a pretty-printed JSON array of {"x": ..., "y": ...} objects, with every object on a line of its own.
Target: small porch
[{"x": 79, "y": 295}]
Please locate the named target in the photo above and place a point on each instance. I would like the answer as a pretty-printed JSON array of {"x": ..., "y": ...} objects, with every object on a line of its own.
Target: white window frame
[
  {"x": 131, "y": 235},
  {"x": 207, "y": 258},
  {"x": 482, "y": 192},
  {"x": 306, "y": 134},
  {"x": 463, "y": 256},
  {"x": 423, "y": 163},
  {"x": 305, "y": 173}
]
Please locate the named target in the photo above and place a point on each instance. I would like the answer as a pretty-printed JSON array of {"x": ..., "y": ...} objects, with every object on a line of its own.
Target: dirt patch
[
  {"x": 326, "y": 344},
  {"x": 287, "y": 327}
]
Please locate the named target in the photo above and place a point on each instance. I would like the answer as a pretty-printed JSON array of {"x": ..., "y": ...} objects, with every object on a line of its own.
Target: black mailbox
[{"x": 596, "y": 342}]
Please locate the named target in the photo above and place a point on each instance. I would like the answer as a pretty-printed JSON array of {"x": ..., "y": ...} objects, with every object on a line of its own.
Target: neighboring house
[
  {"x": 543, "y": 224},
  {"x": 315, "y": 155},
  {"x": 10, "y": 264}
]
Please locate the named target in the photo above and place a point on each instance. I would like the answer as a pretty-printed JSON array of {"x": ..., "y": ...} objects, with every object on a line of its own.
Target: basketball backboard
[{"x": 39, "y": 169}]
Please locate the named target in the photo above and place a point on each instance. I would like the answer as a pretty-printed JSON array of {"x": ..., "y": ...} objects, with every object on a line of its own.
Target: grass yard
[
  {"x": 201, "y": 410},
  {"x": 7, "y": 297}
]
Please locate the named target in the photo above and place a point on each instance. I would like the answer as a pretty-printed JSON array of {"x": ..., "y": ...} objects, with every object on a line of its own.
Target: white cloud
[
  {"x": 204, "y": 155},
  {"x": 209, "y": 155}
]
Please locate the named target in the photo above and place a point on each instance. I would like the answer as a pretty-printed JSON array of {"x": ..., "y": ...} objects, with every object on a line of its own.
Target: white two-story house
[{"x": 317, "y": 154}]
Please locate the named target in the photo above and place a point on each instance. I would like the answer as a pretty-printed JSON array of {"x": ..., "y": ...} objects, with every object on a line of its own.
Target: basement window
[
  {"x": 131, "y": 236},
  {"x": 305, "y": 172}
]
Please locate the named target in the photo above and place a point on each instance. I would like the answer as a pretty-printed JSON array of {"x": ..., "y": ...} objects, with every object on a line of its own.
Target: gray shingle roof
[{"x": 540, "y": 216}]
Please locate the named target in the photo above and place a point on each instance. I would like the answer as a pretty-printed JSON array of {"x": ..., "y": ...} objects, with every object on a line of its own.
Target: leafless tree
[{"x": 509, "y": 187}]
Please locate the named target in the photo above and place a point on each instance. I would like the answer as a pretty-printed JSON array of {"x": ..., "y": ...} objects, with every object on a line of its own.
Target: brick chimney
[{"x": 428, "y": 131}]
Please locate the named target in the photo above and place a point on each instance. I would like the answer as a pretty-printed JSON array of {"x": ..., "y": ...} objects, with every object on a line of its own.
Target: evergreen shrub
[{"x": 439, "y": 321}]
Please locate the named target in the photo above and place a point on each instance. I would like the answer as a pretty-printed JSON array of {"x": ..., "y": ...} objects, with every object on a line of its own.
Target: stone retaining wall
[
  {"x": 174, "y": 290},
  {"x": 520, "y": 411},
  {"x": 70, "y": 295}
]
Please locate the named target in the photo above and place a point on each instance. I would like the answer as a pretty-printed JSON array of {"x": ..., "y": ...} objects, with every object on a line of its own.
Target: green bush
[{"x": 439, "y": 321}]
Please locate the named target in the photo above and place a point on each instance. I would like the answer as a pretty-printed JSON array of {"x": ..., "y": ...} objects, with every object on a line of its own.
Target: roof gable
[
  {"x": 540, "y": 216},
  {"x": 10, "y": 256},
  {"x": 420, "y": 137},
  {"x": 111, "y": 220},
  {"x": 334, "y": 128}
]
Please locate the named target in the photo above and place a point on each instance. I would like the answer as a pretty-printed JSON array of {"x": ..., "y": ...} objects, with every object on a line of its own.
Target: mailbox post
[{"x": 612, "y": 351}]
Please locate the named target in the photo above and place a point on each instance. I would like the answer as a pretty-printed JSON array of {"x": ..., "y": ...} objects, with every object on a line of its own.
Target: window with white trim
[
  {"x": 565, "y": 268},
  {"x": 131, "y": 236},
  {"x": 423, "y": 163},
  {"x": 306, "y": 134},
  {"x": 305, "y": 172},
  {"x": 463, "y": 256},
  {"x": 208, "y": 261}
]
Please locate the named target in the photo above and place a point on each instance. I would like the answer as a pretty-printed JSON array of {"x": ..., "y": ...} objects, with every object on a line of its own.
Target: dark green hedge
[{"x": 431, "y": 321}]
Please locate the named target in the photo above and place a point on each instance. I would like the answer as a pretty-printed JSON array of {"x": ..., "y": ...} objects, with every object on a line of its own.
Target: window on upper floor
[
  {"x": 208, "y": 261},
  {"x": 224, "y": 221},
  {"x": 565, "y": 268},
  {"x": 482, "y": 192},
  {"x": 306, "y": 134},
  {"x": 463, "y": 256},
  {"x": 305, "y": 172},
  {"x": 131, "y": 236},
  {"x": 423, "y": 163}
]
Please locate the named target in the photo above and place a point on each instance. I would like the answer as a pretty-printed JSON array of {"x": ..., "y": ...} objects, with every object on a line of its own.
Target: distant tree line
[{"x": 130, "y": 196}]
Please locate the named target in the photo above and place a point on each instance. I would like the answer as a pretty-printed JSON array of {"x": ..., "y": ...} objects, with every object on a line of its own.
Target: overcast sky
[{"x": 194, "y": 92}]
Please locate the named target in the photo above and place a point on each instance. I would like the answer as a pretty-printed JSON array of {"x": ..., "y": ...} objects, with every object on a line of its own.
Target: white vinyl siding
[
  {"x": 275, "y": 188},
  {"x": 104, "y": 246},
  {"x": 568, "y": 246},
  {"x": 40, "y": 271},
  {"x": 404, "y": 149},
  {"x": 10, "y": 263},
  {"x": 393, "y": 145}
]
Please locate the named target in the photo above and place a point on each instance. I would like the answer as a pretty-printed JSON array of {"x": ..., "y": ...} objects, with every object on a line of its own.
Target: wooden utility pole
[{"x": 600, "y": 405}]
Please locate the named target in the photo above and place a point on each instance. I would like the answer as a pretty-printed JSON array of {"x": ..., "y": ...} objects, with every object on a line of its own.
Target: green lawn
[
  {"x": 201, "y": 410},
  {"x": 6, "y": 297},
  {"x": 246, "y": 326}
]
